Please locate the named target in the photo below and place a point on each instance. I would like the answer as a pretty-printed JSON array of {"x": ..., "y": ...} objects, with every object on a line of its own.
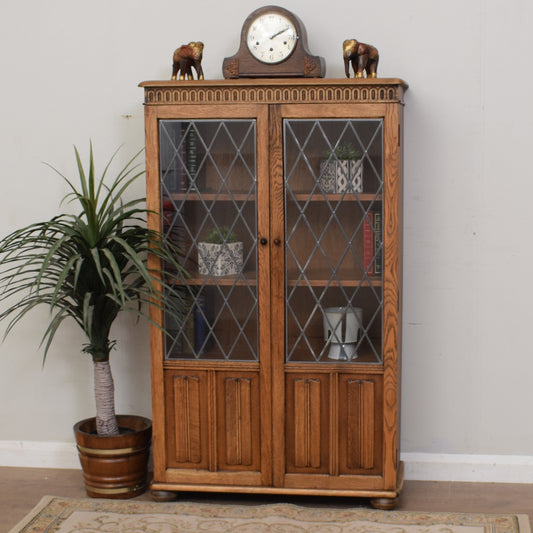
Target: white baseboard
[
  {"x": 476, "y": 468},
  {"x": 39, "y": 454},
  {"x": 418, "y": 466}
]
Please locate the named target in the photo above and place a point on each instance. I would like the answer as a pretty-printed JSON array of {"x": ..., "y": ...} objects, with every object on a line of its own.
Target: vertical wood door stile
[
  {"x": 264, "y": 286},
  {"x": 212, "y": 426},
  {"x": 277, "y": 292},
  {"x": 153, "y": 201},
  {"x": 391, "y": 296},
  {"x": 334, "y": 424}
]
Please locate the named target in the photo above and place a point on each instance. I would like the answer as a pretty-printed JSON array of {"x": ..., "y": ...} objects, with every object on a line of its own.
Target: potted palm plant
[{"x": 87, "y": 268}]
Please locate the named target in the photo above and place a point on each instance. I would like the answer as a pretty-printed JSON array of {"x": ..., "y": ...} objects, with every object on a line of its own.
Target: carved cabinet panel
[
  {"x": 285, "y": 198},
  {"x": 186, "y": 409},
  {"x": 333, "y": 424},
  {"x": 193, "y": 401},
  {"x": 359, "y": 425},
  {"x": 307, "y": 422},
  {"x": 238, "y": 422}
]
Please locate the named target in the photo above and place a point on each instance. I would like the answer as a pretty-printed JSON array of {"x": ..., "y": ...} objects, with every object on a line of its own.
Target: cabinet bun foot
[
  {"x": 164, "y": 496},
  {"x": 384, "y": 504}
]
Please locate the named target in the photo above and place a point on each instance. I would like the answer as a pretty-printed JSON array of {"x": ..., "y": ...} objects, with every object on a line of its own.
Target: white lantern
[{"x": 343, "y": 327}]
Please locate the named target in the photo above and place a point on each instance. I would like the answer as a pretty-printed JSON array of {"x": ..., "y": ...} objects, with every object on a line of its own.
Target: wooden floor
[{"x": 22, "y": 488}]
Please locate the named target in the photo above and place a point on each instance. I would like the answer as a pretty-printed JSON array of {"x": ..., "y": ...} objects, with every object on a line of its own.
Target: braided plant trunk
[
  {"x": 101, "y": 315},
  {"x": 104, "y": 391}
]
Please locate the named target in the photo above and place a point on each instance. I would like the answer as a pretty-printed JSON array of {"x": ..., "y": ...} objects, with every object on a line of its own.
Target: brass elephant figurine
[
  {"x": 186, "y": 57},
  {"x": 364, "y": 58}
]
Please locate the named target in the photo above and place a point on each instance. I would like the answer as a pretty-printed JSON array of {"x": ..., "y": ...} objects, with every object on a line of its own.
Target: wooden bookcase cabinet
[{"x": 245, "y": 396}]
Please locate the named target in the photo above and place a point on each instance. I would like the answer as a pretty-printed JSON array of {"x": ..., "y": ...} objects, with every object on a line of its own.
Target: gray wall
[{"x": 70, "y": 71}]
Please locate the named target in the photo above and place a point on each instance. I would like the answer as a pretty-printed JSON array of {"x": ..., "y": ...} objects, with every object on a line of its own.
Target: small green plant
[
  {"x": 344, "y": 152},
  {"x": 221, "y": 235}
]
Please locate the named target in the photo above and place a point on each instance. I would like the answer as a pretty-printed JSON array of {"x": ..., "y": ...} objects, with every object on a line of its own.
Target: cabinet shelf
[
  {"x": 365, "y": 355},
  {"x": 212, "y": 196},
  {"x": 223, "y": 281},
  {"x": 336, "y": 197},
  {"x": 315, "y": 281},
  {"x": 299, "y": 197},
  {"x": 343, "y": 281}
]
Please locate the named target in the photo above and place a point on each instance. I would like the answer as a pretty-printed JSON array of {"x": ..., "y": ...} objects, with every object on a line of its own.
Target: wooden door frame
[
  {"x": 390, "y": 114},
  {"x": 258, "y": 112}
]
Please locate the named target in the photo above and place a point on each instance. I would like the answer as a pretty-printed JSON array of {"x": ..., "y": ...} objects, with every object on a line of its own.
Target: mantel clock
[{"x": 273, "y": 44}]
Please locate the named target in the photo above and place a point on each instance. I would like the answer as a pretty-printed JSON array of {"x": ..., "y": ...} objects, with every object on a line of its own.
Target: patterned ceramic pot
[
  {"x": 341, "y": 176},
  {"x": 220, "y": 259}
]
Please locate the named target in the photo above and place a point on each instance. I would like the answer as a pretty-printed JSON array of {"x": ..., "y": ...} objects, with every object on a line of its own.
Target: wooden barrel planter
[{"x": 115, "y": 467}]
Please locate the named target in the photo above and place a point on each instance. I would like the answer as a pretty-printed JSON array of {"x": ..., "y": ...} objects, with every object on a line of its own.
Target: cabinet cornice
[{"x": 274, "y": 91}]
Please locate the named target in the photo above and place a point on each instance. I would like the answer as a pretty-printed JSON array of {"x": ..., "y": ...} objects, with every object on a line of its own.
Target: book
[
  {"x": 378, "y": 248},
  {"x": 368, "y": 244},
  {"x": 168, "y": 214},
  {"x": 182, "y": 180},
  {"x": 179, "y": 339},
  {"x": 192, "y": 157},
  {"x": 173, "y": 154},
  {"x": 187, "y": 337},
  {"x": 202, "y": 334}
]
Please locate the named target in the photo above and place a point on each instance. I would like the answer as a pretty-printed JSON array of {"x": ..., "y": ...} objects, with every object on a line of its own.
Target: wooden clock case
[{"x": 300, "y": 63}]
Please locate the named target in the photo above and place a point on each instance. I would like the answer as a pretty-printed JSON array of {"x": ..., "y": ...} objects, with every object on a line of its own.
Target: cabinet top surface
[
  {"x": 277, "y": 90},
  {"x": 275, "y": 82}
]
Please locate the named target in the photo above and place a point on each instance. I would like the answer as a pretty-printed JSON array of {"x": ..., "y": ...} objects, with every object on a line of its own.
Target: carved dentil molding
[{"x": 342, "y": 93}]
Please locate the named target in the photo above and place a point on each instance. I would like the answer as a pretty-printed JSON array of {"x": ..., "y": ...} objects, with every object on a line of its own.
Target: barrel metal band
[
  {"x": 118, "y": 451},
  {"x": 119, "y": 490}
]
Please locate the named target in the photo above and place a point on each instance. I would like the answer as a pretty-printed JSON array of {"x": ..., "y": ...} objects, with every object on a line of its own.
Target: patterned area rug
[{"x": 69, "y": 515}]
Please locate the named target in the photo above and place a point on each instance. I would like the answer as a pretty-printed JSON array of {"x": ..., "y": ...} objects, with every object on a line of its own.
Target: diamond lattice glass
[
  {"x": 208, "y": 193},
  {"x": 333, "y": 208}
]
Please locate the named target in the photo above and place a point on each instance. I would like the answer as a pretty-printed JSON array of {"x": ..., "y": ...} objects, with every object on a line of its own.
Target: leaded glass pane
[
  {"x": 333, "y": 207},
  {"x": 208, "y": 192}
]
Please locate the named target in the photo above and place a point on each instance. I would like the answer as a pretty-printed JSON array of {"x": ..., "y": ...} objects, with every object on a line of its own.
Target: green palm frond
[{"x": 91, "y": 266}]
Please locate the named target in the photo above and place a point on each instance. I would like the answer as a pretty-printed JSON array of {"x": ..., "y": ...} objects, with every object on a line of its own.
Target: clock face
[{"x": 271, "y": 38}]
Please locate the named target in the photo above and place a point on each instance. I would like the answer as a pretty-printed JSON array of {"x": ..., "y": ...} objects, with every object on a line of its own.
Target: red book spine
[
  {"x": 368, "y": 244},
  {"x": 378, "y": 232}
]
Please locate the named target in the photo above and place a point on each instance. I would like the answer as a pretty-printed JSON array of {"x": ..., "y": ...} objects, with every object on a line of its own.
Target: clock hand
[{"x": 279, "y": 32}]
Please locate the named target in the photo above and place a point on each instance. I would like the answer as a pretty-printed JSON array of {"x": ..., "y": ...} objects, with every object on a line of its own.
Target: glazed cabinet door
[
  {"x": 336, "y": 318},
  {"x": 212, "y": 409}
]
